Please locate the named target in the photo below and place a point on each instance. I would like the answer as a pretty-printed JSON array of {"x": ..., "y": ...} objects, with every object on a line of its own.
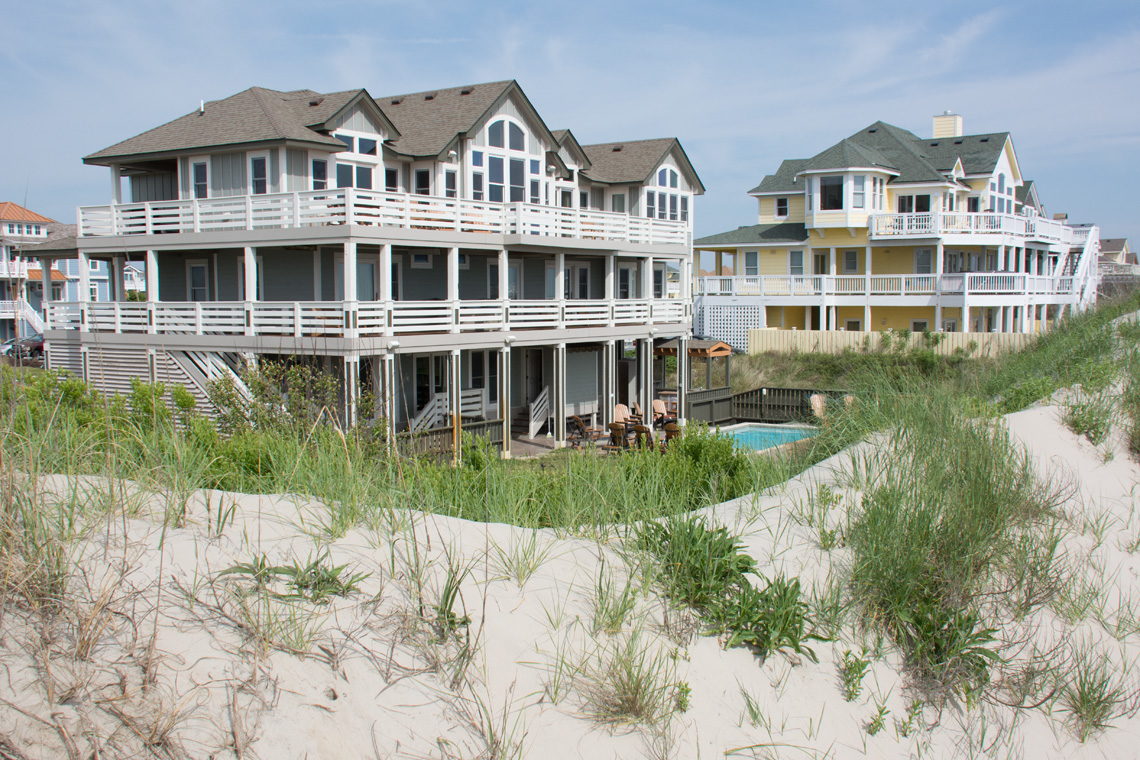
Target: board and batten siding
[
  {"x": 227, "y": 174},
  {"x": 296, "y": 170},
  {"x": 154, "y": 187}
]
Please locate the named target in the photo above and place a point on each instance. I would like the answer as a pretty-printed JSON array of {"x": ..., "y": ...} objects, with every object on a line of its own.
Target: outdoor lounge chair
[
  {"x": 643, "y": 437},
  {"x": 624, "y": 416},
  {"x": 672, "y": 430},
  {"x": 578, "y": 432},
  {"x": 619, "y": 440},
  {"x": 660, "y": 414}
]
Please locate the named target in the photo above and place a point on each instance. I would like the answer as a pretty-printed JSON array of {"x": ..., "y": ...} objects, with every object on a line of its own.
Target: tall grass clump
[{"x": 949, "y": 499}]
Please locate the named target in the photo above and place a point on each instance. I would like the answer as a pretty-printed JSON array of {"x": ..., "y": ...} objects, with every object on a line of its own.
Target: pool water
[{"x": 758, "y": 437}]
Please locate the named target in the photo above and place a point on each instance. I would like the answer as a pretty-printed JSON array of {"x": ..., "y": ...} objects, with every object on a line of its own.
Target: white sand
[{"x": 169, "y": 675}]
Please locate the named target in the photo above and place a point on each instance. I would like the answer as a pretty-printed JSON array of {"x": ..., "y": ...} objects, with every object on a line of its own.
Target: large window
[
  {"x": 850, "y": 262},
  {"x": 423, "y": 182},
  {"x": 449, "y": 185},
  {"x": 831, "y": 193},
  {"x": 878, "y": 193},
  {"x": 751, "y": 263},
  {"x": 392, "y": 180},
  {"x": 859, "y": 192},
  {"x": 781, "y": 207},
  {"x": 923, "y": 261},
  {"x": 495, "y": 178},
  {"x": 320, "y": 174},
  {"x": 617, "y": 203}
]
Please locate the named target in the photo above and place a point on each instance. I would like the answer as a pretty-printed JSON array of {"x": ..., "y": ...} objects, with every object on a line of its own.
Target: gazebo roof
[{"x": 703, "y": 349}]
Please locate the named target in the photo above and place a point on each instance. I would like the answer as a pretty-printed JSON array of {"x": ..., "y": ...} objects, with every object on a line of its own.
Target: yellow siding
[
  {"x": 899, "y": 317},
  {"x": 793, "y": 317},
  {"x": 774, "y": 261},
  {"x": 795, "y": 209},
  {"x": 844, "y": 313}
]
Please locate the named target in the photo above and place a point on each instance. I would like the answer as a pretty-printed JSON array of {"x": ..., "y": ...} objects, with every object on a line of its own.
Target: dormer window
[
  {"x": 781, "y": 207},
  {"x": 366, "y": 146},
  {"x": 349, "y": 142},
  {"x": 515, "y": 137}
]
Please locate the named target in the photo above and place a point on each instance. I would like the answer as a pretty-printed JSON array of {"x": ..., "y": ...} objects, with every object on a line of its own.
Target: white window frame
[
  {"x": 776, "y": 208},
  {"x": 420, "y": 260},
  {"x": 190, "y": 264},
  {"x": 925, "y": 325},
  {"x": 205, "y": 161},
  {"x": 755, "y": 266},
  {"x": 851, "y": 256},
  {"x": 791, "y": 268},
  {"x": 930, "y": 257},
  {"x": 859, "y": 191},
  {"x": 857, "y": 322},
  {"x": 249, "y": 159}
]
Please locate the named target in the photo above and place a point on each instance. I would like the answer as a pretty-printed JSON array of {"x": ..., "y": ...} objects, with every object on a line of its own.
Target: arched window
[
  {"x": 1001, "y": 183},
  {"x": 507, "y": 174},
  {"x": 670, "y": 206},
  {"x": 667, "y": 178}
]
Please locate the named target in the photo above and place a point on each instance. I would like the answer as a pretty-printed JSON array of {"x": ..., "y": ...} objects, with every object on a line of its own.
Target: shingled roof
[
  {"x": 785, "y": 232},
  {"x": 910, "y": 157},
  {"x": 14, "y": 212},
  {"x": 429, "y": 120},
  {"x": 634, "y": 160},
  {"x": 251, "y": 116}
]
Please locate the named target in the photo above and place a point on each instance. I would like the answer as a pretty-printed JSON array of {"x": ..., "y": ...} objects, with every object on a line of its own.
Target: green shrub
[{"x": 1090, "y": 416}]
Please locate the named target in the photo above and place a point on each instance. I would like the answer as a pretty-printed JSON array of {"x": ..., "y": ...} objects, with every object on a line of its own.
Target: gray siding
[
  {"x": 328, "y": 274},
  {"x": 581, "y": 376},
  {"x": 425, "y": 284},
  {"x": 184, "y": 177},
  {"x": 227, "y": 174},
  {"x": 154, "y": 187},
  {"x": 172, "y": 276},
  {"x": 534, "y": 278},
  {"x": 286, "y": 275},
  {"x": 473, "y": 281},
  {"x": 230, "y": 273},
  {"x": 275, "y": 171},
  {"x": 297, "y": 167},
  {"x": 356, "y": 119}
]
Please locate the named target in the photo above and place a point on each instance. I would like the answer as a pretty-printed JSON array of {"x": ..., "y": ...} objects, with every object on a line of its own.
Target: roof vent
[
  {"x": 466, "y": 91},
  {"x": 957, "y": 142},
  {"x": 616, "y": 149},
  {"x": 872, "y": 130},
  {"x": 316, "y": 101},
  {"x": 933, "y": 145},
  {"x": 397, "y": 101},
  {"x": 429, "y": 96},
  {"x": 984, "y": 139}
]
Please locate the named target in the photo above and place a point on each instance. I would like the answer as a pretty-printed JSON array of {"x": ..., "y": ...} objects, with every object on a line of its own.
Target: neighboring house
[
  {"x": 134, "y": 278},
  {"x": 21, "y": 285},
  {"x": 444, "y": 249},
  {"x": 1116, "y": 257},
  {"x": 886, "y": 229},
  {"x": 98, "y": 279}
]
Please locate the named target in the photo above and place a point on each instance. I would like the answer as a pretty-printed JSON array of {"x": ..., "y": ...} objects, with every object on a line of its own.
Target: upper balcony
[
  {"x": 985, "y": 223},
  {"x": 928, "y": 285},
  {"x": 348, "y": 206},
  {"x": 362, "y": 319}
]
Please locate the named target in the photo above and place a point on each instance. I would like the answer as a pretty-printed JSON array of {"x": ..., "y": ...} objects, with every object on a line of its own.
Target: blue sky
[{"x": 743, "y": 84}]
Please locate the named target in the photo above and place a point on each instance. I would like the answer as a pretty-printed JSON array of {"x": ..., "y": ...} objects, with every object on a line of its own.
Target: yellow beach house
[{"x": 888, "y": 230}]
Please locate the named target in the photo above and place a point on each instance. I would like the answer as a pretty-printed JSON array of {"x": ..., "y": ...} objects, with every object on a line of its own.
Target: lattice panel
[{"x": 730, "y": 322}]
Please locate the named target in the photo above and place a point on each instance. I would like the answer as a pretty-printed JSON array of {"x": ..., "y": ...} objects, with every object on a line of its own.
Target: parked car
[
  {"x": 7, "y": 346},
  {"x": 31, "y": 347}
]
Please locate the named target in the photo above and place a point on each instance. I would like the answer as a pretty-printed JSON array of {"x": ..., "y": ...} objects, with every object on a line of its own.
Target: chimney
[
  {"x": 947, "y": 124},
  {"x": 1061, "y": 217}
]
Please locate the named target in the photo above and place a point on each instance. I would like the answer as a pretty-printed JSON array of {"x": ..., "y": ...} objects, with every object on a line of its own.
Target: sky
[{"x": 742, "y": 84}]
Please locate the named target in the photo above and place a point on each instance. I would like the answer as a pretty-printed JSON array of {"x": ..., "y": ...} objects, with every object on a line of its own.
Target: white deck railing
[
  {"x": 315, "y": 208},
  {"x": 942, "y": 223},
  {"x": 21, "y": 309},
  {"x": 985, "y": 283},
  {"x": 12, "y": 270},
  {"x": 339, "y": 319}
]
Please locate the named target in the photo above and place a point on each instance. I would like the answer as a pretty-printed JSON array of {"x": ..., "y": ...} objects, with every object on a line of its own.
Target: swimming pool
[{"x": 758, "y": 436}]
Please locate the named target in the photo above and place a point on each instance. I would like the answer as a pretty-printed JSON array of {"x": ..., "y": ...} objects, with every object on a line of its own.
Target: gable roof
[
  {"x": 566, "y": 139},
  {"x": 635, "y": 160},
  {"x": 428, "y": 121},
  {"x": 1026, "y": 194},
  {"x": 784, "y": 232},
  {"x": 14, "y": 212},
  {"x": 1112, "y": 245},
  {"x": 979, "y": 153},
  {"x": 255, "y": 115},
  {"x": 847, "y": 153}
]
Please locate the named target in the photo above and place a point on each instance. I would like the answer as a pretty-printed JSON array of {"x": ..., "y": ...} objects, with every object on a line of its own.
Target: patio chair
[
  {"x": 672, "y": 430},
  {"x": 578, "y": 432},
  {"x": 624, "y": 416},
  {"x": 643, "y": 437},
  {"x": 618, "y": 441},
  {"x": 660, "y": 413}
]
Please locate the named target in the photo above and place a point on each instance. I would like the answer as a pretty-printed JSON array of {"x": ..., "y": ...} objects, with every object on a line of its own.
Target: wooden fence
[
  {"x": 438, "y": 441},
  {"x": 720, "y": 406},
  {"x": 838, "y": 341}
]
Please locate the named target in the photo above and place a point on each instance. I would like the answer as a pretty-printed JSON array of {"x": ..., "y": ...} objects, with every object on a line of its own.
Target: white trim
[
  {"x": 415, "y": 262},
  {"x": 190, "y": 264},
  {"x": 249, "y": 159}
]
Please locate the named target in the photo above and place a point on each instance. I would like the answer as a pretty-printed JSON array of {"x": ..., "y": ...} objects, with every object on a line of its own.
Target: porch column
[
  {"x": 965, "y": 318},
  {"x": 455, "y": 396},
  {"x": 647, "y": 277},
  {"x": 939, "y": 258},
  {"x": 350, "y": 289},
  {"x": 388, "y": 397},
  {"x": 116, "y": 184},
  {"x": 45, "y": 283},
  {"x": 151, "y": 276},
  {"x": 822, "y": 316},
  {"x": 645, "y": 377},
  {"x": 1001, "y": 258},
  {"x": 867, "y": 317},
  {"x": 686, "y": 279},
  {"x": 682, "y": 376},
  {"x": 453, "y": 287},
  {"x": 609, "y": 381},
  {"x": 249, "y": 287},
  {"x": 118, "y": 281},
  {"x": 504, "y": 360},
  {"x": 84, "y": 286},
  {"x": 609, "y": 294},
  {"x": 831, "y": 261},
  {"x": 351, "y": 389},
  {"x": 559, "y": 395},
  {"x": 833, "y": 317},
  {"x": 560, "y": 285},
  {"x": 867, "y": 287},
  {"x": 385, "y": 294}
]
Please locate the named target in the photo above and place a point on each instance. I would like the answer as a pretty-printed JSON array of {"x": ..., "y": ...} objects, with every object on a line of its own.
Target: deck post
[
  {"x": 559, "y": 395},
  {"x": 388, "y": 397},
  {"x": 118, "y": 262},
  {"x": 351, "y": 389},
  {"x": 249, "y": 286},
  {"x": 505, "y": 392},
  {"x": 560, "y": 286},
  {"x": 645, "y": 377},
  {"x": 609, "y": 291},
  {"x": 84, "y": 296},
  {"x": 609, "y": 381},
  {"x": 453, "y": 287},
  {"x": 455, "y": 397},
  {"x": 504, "y": 288},
  {"x": 350, "y": 289},
  {"x": 682, "y": 376}
]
